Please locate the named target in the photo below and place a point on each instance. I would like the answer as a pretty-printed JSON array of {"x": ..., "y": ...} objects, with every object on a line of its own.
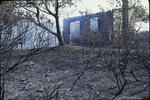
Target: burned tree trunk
[
  {"x": 59, "y": 36},
  {"x": 125, "y": 32}
]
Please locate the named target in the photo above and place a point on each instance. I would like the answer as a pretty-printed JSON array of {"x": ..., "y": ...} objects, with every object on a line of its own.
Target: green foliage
[
  {"x": 7, "y": 6},
  {"x": 141, "y": 14},
  {"x": 140, "y": 11}
]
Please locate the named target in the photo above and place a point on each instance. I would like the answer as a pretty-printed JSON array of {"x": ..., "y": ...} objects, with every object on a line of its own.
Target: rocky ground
[{"x": 59, "y": 74}]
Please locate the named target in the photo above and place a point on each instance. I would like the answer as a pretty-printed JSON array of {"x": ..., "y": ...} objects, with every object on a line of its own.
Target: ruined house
[{"x": 107, "y": 24}]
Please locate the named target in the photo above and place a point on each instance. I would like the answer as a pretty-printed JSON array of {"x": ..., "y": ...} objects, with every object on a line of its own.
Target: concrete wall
[
  {"x": 109, "y": 25},
  {"x": 104, "y": 26}
]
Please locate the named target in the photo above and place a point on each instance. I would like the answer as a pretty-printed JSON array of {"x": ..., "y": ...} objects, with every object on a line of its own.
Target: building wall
[
  {"x": 104, "y": 27},
  {"x": 109, "y": 26}
]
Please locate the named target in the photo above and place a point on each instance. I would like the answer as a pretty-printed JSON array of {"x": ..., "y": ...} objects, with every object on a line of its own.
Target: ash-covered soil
[{"x": 71, "y": 73}]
